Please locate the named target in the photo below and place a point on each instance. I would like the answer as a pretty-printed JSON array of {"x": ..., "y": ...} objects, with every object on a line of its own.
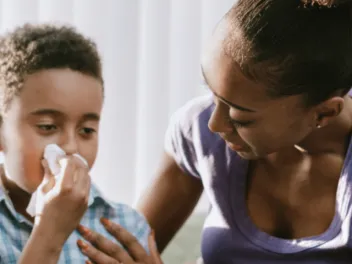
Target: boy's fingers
[
  {"x": 48, "y": 180},
  {"x": 82, "y": 183},
  {"x": 68, "y": 167},
  {"x": 48, "y": 185},
  {"x": 80, "y": 160},
  {"x": 45, "y": 166},
  {"x": 81, "y": 176}
]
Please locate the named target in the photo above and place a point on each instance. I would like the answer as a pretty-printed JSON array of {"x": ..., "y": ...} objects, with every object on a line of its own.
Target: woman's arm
[{"x": 169, "y": 201}]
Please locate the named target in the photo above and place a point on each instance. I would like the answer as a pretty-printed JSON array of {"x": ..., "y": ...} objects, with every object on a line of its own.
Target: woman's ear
[{"x": 328, "y": 110}]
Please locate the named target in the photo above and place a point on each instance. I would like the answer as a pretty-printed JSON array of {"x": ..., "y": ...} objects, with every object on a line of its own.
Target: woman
[{"x": 271, "y": 146}]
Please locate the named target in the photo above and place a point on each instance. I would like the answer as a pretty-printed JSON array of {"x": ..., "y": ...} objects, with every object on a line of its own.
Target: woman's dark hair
[{"x": 301, "y": 47}]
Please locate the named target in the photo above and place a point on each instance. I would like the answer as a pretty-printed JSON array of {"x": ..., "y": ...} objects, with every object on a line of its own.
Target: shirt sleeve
[{"x": 179, "y": 143}]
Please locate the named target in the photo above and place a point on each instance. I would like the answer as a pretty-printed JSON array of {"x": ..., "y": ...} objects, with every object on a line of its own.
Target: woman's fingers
[
  {"x": 94, "y": 254},
  {"x": 131, "y": 243},
  {"x": 104, "y": 245},
  {"x": 103, "y": 249}
]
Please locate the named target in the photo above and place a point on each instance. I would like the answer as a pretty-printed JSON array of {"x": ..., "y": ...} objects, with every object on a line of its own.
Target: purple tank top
[{"x": 229, "y": 235}]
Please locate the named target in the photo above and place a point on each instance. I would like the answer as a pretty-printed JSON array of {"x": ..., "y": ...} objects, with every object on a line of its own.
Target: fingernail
[
  {"x": 88, "y": 262},
  {"x": 152, "y": 233},
  {"x": 82, "y": 245},
  {"x": 105, "y": 222},
  {"x": 83, "y": 230}
]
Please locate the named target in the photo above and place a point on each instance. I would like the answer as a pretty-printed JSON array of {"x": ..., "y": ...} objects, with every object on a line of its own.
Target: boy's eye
[
  {"x": 87, "y": 130},
  {"x": 47, "y": 127}
]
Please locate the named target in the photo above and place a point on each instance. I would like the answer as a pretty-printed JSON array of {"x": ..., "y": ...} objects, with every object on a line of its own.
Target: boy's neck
[{"x": 19, "y": 198}]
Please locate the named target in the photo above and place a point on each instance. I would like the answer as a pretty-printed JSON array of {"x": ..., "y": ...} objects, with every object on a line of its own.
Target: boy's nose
[{"x": 69, "y": 144}]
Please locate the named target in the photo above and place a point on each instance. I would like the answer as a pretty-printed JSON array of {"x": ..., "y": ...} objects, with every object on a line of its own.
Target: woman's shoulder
[
  {"x": 188, "y": 138},
  {"x": 193, "y": 112}
]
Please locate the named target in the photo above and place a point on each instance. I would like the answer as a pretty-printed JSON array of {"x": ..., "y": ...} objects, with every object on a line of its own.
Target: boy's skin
[
  {"x": 51, "y": 92},
  {"x": 58, "y": 106}
]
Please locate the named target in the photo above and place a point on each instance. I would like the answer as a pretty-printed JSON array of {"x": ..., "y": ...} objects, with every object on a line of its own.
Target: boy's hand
[
  {"x": 101, "y": 250},
  {"x": 63, "y": 201}
]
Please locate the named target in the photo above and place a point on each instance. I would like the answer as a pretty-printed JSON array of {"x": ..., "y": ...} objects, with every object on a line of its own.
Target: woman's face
[{"x": 252, "y": 123}]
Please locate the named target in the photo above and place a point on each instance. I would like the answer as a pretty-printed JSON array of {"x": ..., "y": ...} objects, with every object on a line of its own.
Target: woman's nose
[{"x": 219, "y": 120}]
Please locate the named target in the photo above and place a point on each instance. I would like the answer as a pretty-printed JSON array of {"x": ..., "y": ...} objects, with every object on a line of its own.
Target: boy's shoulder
[
  {"x": 122, "y": 214},
  {"x": 97, "y": 199}
]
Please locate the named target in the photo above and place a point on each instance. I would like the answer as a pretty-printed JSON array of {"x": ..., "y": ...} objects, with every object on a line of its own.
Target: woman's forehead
[{"x": 228, "y": 83}]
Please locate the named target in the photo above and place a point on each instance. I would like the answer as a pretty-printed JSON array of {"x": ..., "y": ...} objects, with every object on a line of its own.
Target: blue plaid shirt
[{"x": 15, "y": 229}]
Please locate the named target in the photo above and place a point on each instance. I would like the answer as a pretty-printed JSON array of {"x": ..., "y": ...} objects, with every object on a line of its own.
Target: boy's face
[{"x": 57, "y": 106}]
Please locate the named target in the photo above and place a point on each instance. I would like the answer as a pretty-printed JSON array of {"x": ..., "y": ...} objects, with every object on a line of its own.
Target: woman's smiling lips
[{"x": 235, "y": 147}]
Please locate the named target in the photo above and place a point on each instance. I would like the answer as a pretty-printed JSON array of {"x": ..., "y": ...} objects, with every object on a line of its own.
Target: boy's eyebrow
[
  {"x": 91, "y": 116},
  {"x": 46, "y": 111},
  {"x": 54, "y": 112}
]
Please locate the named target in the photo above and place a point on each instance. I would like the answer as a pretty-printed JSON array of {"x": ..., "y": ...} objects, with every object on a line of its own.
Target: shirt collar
[{"x": 95, "y": 198}]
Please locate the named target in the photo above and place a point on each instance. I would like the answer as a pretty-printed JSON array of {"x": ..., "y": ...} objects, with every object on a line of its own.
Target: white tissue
[{"x": 52, "y": 154}]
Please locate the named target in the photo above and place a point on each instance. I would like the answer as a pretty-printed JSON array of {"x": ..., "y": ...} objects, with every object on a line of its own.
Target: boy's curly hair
[{"x": 31, "y": 48}]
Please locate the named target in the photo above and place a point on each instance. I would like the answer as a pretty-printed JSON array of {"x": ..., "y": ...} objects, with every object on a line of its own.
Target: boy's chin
[
  {"x": 31, "y": 187},
  {"x": 19, "y": 185}
]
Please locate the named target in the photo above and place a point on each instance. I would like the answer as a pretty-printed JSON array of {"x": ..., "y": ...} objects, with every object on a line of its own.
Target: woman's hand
[{"x": 103, "y": 251}]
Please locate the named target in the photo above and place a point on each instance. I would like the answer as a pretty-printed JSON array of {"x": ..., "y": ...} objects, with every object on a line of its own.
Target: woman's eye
[
  {"x": 240, "y": 124},
  {"x": 47, "y": 127}
]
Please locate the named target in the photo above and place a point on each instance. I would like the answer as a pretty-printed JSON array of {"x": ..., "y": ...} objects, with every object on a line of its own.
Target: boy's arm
[
  {"x": 42, "y": 247},
  {"x": 53, "y": 227}
]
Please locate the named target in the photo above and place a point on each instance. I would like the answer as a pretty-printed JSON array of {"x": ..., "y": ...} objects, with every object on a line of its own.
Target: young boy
[{"x": 52, "y": 93}]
